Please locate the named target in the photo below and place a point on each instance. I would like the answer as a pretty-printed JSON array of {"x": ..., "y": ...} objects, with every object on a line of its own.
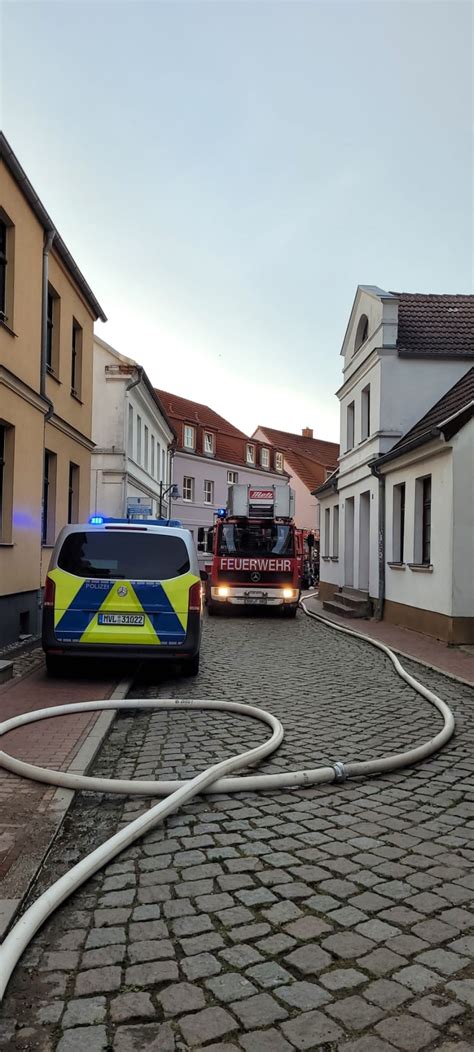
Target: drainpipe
[
  {"x": 48, "y": 241},
  {"x": 381, "y": 542},
  {"x": 133, "y": 383}
]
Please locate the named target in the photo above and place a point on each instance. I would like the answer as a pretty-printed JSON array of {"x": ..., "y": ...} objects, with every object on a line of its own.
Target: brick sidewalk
[
  {"x": 452, "y": 660},
  {"x": 30, "y": 813}
]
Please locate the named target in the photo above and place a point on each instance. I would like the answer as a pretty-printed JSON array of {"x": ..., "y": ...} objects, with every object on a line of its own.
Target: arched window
[{"x": 362, "y": 332}]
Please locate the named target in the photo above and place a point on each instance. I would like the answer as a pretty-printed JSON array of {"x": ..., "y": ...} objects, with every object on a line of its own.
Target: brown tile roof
[
  {"x": 435, "y": 326},
  {"x": 459, "y": 397},
  {"x": 230, "y": 442},
  {"x": 309, "y": 458}
]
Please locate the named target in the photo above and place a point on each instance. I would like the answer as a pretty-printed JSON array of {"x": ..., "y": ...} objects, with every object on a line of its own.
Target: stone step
[
  {"x": 343, "y": 611},
  {"x": 359, "y": 601},
  {"x": 6, "y": 670}
]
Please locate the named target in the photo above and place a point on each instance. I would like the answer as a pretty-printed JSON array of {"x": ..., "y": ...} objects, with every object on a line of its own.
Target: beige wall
[{"x": 23, "y": 562}]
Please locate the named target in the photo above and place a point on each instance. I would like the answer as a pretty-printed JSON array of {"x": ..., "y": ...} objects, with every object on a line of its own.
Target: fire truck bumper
[{"x": 254, "y": 596}]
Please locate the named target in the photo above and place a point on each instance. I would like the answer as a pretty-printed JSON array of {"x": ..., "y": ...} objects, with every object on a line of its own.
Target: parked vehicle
[
  {"x": 121, "y": 589},
  {"x": 257, "y": 552}
]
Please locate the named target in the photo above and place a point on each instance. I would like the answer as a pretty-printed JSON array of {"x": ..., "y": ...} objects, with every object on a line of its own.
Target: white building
[
  {"x": 401, "y": 352},
  {"x": 131, "y": 462}
]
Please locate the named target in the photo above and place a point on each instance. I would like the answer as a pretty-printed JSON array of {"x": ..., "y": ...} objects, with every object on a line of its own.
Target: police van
[{"x": 123, "y": 589}]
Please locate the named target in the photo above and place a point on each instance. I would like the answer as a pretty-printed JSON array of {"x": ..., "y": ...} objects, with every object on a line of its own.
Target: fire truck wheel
[
  {"x": 213, "y": 609},
  {"x": 289, "y": 611}
]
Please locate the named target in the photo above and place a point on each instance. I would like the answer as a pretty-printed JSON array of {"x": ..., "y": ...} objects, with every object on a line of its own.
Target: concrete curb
[{"x": 24, "y": 876}]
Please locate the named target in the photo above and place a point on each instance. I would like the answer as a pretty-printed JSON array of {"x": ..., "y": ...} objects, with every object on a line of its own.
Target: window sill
[
  {"x": 50, "y": 372},
  {"x": 421, "y": 567},
  {"x": 47, "y": 544},
  {"x": 76, "y": 397},
  {"x": 334, "y": 558},
  {"x": 7, "y": 544},
  {"x": 326, "y": 558},
  {"x": 4, "y": 325},
  {"x": 397, "y": 566}
]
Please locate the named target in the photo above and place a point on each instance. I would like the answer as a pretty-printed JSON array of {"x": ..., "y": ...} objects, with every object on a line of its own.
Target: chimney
[{"x": 307, "y": 432}]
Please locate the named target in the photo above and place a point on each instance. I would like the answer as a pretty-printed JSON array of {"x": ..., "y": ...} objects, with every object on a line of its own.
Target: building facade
[
  {"x": 401, "y": 353},
  {"x": 210, "y": 455},
  {"x": 308, "y": 461},
  {"x": 133, "y": 440},
  {"x": 47, "y": 313}
]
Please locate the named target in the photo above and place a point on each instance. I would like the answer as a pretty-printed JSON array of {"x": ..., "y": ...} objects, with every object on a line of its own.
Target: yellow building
[{"x": 47, "y": 313}]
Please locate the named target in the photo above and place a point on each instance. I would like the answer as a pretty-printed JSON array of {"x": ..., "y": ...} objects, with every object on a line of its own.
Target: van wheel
[
  {"x": 54, "y": 665},
  {"x": 191, "y": 668}
]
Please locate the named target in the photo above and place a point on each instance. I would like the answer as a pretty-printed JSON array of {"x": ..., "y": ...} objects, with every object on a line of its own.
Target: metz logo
[
  {"x": 255, "y": 564},
  {"x": 261, "y": 494}
]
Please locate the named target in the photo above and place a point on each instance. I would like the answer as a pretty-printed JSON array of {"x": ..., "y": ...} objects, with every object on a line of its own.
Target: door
[{"x": 349, "y": 542}]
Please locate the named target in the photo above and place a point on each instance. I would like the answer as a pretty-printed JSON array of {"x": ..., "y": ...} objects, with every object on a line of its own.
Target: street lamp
[{"x": 172, "y": 490}]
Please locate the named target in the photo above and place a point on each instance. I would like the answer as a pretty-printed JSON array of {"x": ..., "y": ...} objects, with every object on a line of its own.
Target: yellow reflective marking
[
  {"x": 177, "y": 591},
  {"x": 117, "y": 634},
  {"x": 67, "y": 587}
]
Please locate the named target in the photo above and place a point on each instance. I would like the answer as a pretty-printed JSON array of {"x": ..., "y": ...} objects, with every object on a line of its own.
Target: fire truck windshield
[{"x": 255, "y": 539}]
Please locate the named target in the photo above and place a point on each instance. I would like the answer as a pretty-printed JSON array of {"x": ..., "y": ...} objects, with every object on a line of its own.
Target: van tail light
[
  {"x": 49, "y": 591},
  {"x": 195, "y": 601}
]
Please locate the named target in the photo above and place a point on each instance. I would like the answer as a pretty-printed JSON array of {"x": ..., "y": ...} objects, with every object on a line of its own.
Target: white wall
[
  {"x": 424, "y": 590},
  {"x": 410, "y": 386},
  {"x": 463, "y": 521}
]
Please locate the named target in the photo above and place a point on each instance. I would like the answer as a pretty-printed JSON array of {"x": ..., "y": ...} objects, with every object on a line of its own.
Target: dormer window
[
  {"x": 362, "y": 332},
  {"x": 265, "y": 458},
  {"x": 189, "y": 437},
  {"x": 208, "y": 443},
  {"x": 250, "y": 454},
  {"x": 279, "y": 461}
]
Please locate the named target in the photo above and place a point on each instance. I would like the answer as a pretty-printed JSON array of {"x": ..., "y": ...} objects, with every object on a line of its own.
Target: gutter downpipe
[
  {"x": 381, "y": 542},
  {"x": 49, "y": 236},
  {"x": 133, "y": 383}
]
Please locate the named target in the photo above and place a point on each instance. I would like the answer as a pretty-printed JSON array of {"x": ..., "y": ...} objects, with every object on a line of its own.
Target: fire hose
[{"x": 213, "y": 780}]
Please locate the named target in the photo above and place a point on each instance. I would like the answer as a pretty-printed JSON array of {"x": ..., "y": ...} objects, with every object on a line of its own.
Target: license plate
[
  {"x": 138, "y": 620},
  {"x": 256, "y": 598}
]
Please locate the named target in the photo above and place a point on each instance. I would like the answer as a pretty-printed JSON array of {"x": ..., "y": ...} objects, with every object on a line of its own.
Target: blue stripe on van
[
  {"x": 83, "y": 608},
  {"x": 156, "y": 604}
]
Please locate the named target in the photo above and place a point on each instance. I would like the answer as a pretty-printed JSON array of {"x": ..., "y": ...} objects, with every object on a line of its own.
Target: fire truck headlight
[
  {"x": 223, "y": 590},
  {"x": 288, "y": 593}
]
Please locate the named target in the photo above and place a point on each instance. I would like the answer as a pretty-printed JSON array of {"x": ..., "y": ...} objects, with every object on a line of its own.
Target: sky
[{"x": 225, "y": 175}]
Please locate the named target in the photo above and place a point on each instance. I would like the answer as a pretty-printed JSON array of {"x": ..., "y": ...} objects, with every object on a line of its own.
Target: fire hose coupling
[{"x": 340, "y": 773}]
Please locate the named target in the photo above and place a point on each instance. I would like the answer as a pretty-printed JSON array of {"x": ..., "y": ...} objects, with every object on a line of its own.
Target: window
[
  {"x": 350, "y": 426},
  {"x": 115, "y": 555},
  {"x": 7, "y": 245},
  {"x": 398, "y": 525},
  {"x": 188, "y": 488},
  {"x": 232, "y": 477},
  {"x": 152, "y": 456},
  {"x": 73, "y": 494},
  {"x": 365, "y": 413},
  {"x": 145, "y": 443},
  {"x": 163, "y": 465},
  {"x": 7, "y": 441},
  {"x": 158, "y": 453},
  {"x": 279, "y": 461},
  {"x": 422, "y": 551},
  {"x": 208, "y": 492},
  {"x": 335, "y": 532},
  {"x": 362, "y": 332},
  {"x": 250, "y": 454},
  {"x": 48, "y": 526},
  {"x": 265, "y": 458},
  {"x": 52, "y": 332},
  {"x": 139, "y": 439},
  {"x": 208, "y": 442},
  {"x": 76, "y": 359},
  {"x": 189, "y": 437},
  {"x": 327, "y": 531},
  {"x": 253, "y": 539},
  {"x": 130, "y": 430}
]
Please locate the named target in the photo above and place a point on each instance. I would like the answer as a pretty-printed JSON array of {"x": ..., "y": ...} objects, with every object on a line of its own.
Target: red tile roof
[
  {"x": 309, "y": 458},
  {"x": 230, "y": 443},
  {"x": 435, "y": 326},
  {"x": 459, "y": 397}
]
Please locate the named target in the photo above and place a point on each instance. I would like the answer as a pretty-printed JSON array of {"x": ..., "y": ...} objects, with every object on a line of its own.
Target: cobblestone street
[{"x": 335, "y": 918}]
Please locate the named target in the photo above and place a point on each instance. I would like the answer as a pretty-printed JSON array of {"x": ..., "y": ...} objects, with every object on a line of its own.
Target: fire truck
[{"x": 257, "y": 552}]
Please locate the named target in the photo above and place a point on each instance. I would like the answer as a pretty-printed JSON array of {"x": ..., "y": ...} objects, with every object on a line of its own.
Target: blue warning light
[
  {"x": 221, "y": 513},
  {"x": 96, "y": 520}
]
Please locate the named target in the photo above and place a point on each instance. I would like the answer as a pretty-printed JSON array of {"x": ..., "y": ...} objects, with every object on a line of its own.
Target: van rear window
[{"x": 129, "y": 556}]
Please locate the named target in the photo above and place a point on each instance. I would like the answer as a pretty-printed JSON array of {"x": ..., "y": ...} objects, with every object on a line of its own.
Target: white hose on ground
[{"x": 212, "y": 780}]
